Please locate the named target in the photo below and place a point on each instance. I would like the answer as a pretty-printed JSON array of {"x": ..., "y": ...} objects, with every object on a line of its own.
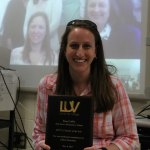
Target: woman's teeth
[{"x": 79, "y": 60}]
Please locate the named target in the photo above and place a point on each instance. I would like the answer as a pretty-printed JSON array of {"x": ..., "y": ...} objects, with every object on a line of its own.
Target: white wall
[{"x": 29, "y": 101}]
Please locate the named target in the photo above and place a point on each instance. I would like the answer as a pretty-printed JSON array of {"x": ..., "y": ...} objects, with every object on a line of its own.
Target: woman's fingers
[
  {"x": 90, "y": 148},
  {"x": 44, "y": 146}
]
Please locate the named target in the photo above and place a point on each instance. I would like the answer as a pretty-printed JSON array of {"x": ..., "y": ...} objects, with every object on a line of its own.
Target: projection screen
[{"x": 32, "y": 30}]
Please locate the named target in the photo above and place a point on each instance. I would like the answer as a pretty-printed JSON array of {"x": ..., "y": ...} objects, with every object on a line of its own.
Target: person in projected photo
[
  {"x": 82, "y": 71},
  {"x": 36, "y": 50},
  {"x": 53, "y": 9},
  {"x": 121, "y": 40},
  {"x": 12, "y": 25},
  {"x": 71, "y": 9}
]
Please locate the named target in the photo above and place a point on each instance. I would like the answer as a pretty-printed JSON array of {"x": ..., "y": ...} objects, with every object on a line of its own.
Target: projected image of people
[
  {"x": 137, "y": 4},
  {"x": 12, "y": 24},
  {"x": 53, "y": 9},
  {"x": 36, "y": 50},
  {"x": 121, "y": 39},
  {"x": 71, "y": 10}
]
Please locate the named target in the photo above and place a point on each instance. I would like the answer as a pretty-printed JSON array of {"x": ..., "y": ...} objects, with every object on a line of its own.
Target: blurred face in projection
[
  {"x": 37, "y": 30},
  {"x": 98, "y": 12}
]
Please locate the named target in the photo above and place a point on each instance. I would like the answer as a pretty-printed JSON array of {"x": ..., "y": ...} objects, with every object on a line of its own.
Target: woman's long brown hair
[{"x": 103, "y": 91}]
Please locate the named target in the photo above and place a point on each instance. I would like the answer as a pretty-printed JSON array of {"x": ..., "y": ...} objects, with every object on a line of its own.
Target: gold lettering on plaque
[{"x": 73, "y": 109}]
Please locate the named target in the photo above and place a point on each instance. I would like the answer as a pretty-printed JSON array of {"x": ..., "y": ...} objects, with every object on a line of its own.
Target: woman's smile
[{"x": 79, "y": 61}]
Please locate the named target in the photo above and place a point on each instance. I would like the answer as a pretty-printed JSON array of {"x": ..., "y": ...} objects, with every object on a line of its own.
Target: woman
[
  {"x": 36, "y": 50},
  {"x": 53, "y": 9},
  {"x": 114, "y": 18},
  {"x": 82, "y": 71}
]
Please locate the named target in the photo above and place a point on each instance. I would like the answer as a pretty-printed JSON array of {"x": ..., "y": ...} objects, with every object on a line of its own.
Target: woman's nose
[
  {"x": 36, "y": 30},
  {"x": 80, "y": 52}
]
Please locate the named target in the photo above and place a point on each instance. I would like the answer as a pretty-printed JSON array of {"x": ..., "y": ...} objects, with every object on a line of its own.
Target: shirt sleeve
[
  {"x": 82, "y": 8},
  {"x": 40, "y": 123},
  {"x": 124, "y": 121},
  {"x": 16, "y": 56},
  {"x": 54, "y": 18},
  {"x": 27, "y": 17}
]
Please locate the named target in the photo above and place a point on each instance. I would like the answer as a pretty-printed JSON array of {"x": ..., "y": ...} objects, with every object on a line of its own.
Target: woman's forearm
[{"x": 112, "y": 147}]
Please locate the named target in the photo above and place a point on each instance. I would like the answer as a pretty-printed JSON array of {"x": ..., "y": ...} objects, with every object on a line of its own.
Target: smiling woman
[
  {"x": 82, "y": 71},
  {"x": 80, "y": 51},
  {"x": 37, "y": 30},
  {"x": 53, "y": 10},
  {"x": 36, "y": 50}
]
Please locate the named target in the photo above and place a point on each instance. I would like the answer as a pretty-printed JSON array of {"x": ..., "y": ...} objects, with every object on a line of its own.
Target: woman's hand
[
  {"x": 91, "y": 148},
  {"x": 109, "y": 147},
  {"x": 44, "y": 146}
]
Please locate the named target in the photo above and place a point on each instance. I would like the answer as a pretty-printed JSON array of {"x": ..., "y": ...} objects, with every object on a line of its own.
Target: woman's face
[
  {"x": 80, "y": 51},
  {"x": 37, "y": 30},
  {"x": 98, "y": 11}
]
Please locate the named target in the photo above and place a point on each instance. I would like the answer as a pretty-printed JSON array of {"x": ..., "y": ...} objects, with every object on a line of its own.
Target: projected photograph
[
  {"x": 118, "y": 23},
  {"x": 117, "y": 26},
  {"x": 128, "y": 71},
  {"x": 32, "y": 30}
]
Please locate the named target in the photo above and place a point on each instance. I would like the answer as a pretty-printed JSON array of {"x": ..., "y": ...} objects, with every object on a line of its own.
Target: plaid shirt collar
[{"x": 51, "y": 85}]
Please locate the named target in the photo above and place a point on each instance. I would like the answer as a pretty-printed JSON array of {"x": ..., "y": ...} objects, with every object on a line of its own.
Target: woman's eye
[
  {"x": 74, "y": 46},
  {"x": 87, "y": 46}
]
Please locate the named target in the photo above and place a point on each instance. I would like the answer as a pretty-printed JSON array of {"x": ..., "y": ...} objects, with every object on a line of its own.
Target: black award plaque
[{"x": 69, "y": 122}]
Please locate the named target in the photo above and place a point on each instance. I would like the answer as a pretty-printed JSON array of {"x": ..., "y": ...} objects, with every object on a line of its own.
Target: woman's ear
[
  {"x": 62, "y": 45},
  {"x": 96, "y": 49},
  {"x": 64, "y": 53}
]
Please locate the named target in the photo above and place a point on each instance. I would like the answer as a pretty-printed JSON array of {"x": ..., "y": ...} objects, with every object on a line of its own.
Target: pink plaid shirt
[{"x": 117, "y": 126}]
